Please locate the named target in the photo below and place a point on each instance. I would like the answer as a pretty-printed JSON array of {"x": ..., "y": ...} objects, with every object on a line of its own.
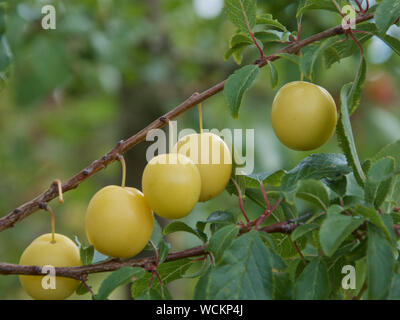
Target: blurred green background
[{"x": 111, "y": 67}]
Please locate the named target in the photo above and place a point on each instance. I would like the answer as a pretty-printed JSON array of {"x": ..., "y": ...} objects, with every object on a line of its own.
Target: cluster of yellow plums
[{"x": 119, "y": 219}]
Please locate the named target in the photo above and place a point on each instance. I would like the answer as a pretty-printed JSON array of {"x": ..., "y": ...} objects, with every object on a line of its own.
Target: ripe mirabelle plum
[
  {"x": 303, "y": 115},
  {"x": 42, "y": 252},
  {"x": 213, "y": 159},
  {"x": 118, "y": 221},
  {"x": 171, "y": 185}
]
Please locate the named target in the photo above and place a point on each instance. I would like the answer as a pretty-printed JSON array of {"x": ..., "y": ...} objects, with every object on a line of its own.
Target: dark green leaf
[
  {"x": 181, "y": 226},
  {"x": 394, "y": 291},
  {"x": 272, "y": 179},
  {"x": 222, "y": 240},
  {"x": 291, "y": 57},
  {"x": 386, "y": 14},
  {"x": 316, "y": 166},
  {"x": 374, "y": 217},
  {"x": 266, "y": 36},
  {"x": 345, "y": 137},
  {"x": 316, "y": 5},
  {"x": 357, "y": 87},
  {"x": 245, "y": 272},
  {"x": 168, "y": 272},
  {"x": 236, "y": 86},
  {"x": 283, "y": 289},
  {"x": 273, "y": 75},
  {"x": 217, "y": 217},
  {"x": 87, "y": 254},
  {"x": 315, "y": 192},
  {"x": 268, "y": 20},
  {"x": 116, "y": 279},
  {"x": 378, "y": 181},
  {"x": 239, "y": 11},
  {"x": 380, "y": 264},
  {"x": 335, "y": 229},
  {"x": 313, "y": 283},
  {"x": 81, "y": 290},
  {"x": 303, "y": 230},
  {"x": 391, "y": 150}
]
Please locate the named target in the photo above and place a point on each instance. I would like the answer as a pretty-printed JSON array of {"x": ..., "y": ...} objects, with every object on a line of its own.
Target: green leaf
[
  {"x": 357, "y": 87},
  {"x": 338, "y": 185},
  {"x": 394, "y": 43},
  {"x": 81, "y": 290},
  {"x": 168, "y": 272},
  {"x": 181, "y": 226},
  {"x": 155, "y": 294},
  {"x": 345, "y": 137},
  {"x": 266, "y": 36},
  {"x": 315, "y": 192},
  {"x": 302, "y": 230},
  {"x": 335, "y": 229},
  {"x": 391, "y": 150},
  {"x": 394, "y": 291},
  {"x": 239, "y": 39},
  {"x": 245, "y": 272},
  {"x": 313, "y": 282},
  {"x": 374, "y": 217},
  {"x": 268, "y": 20},
  {"x": 87, "y": 254},
  {"x": 386, "y": 14},
  {"x": 378, "y": 181},
  {"x": 222, "y": 240},
  {"x": 316, "y": 166},
  {"x": 236, "y": 86},
  {"x": 340, "y": 49},
  {"x": 163, "y": 250},
  {"x": 273, "y": 75},
  {"x": 291, "y": 57},
  {"x": 116, "y": 279},
  {"x": 283, "y": 289},
  {"x": 217, "y": 217},
  {"x": 5, "y": 53},
  {"x": 156, "y": 236},
  {"x": 267, "y": 178},
  {"x": 239, "y": 11},
  {"x": 310, "y": 55},
  {"x": 285, "y": 246},
  {"x": 380, "y": 264},
  {"x": 236, "y": 53},
  {"x": 315, "y": 5},
  {"x": 238, "y": 42}
]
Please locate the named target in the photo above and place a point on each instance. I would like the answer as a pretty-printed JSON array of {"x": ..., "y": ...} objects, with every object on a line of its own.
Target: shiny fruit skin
[
  {"x": 118, "y": 221},
  {"x": 171, "y": 185},
  {"x": 303, "y": 115},
  {"x": 41, "y": 252},
  {"x": 215, "y": 173}
]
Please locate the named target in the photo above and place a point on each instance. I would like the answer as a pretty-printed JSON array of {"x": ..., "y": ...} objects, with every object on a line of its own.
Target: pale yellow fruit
[
  {"x": 171, "y": 185},
  {"x": 118, "y": 221},
  {"x": 303, "y": 115},
  {"x": 41, "y": 252},
  {"x": 213, "y": 159}
]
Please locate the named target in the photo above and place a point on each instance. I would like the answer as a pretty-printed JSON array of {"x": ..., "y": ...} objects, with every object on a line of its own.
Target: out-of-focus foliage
[{"x": 110, "y": 67}]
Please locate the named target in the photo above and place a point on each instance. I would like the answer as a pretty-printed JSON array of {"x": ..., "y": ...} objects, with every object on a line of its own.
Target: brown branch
[
  {"x": 81, "y": 272},
  {"x": 28, "y": 208}
]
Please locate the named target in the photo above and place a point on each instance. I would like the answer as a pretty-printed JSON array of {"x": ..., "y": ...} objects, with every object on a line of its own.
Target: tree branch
[
  {"x": 28, "y": 208},
  {"x": 81, "y": 272}
]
